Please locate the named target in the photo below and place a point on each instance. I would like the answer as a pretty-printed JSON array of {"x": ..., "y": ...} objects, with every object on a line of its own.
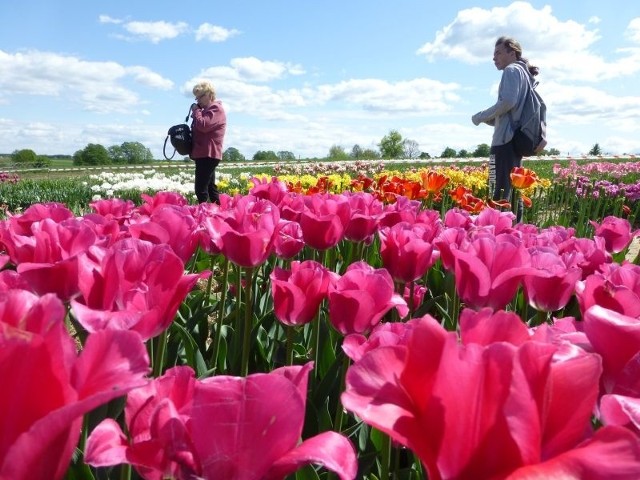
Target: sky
[{"x": 304, "y": 75}]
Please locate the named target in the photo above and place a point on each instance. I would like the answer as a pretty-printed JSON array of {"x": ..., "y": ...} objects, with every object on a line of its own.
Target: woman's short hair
[{"x": 204, "y": 88}]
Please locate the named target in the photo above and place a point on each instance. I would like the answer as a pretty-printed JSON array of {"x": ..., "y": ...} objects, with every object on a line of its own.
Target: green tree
[
  {"x": 25, "y": 156},
  {"x": 116, "y": 154},
  {"x": 336, "y": 152},
  {"x": 232, "y": 154},
  {"x": 553, "y": 151},
  {"x": 410, "y": 148},
  {"x": 370, "y": 154},
  {"x": 356, "y": 152},
  {"x": 448, "y": 153},
  {"x": 595, "y": 150},
  {"x": 136, "y": 153},
  {"x": 286, "y": 156},
  {"x": 424, "y": 155},
  {"x": 463, "y": 153},
  {"x": 482, "y": 151},
  {"x": 263, "y": 156},
  {"x": 42, "y": 162},
  {"x": 391, "y": 145},
  {"x": 92, "y": 154}
]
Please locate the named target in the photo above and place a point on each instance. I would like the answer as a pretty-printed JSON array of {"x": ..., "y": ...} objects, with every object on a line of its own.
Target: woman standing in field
[
  {"x": 507, "y": 56},
  {"x": 208, "y": 127}
]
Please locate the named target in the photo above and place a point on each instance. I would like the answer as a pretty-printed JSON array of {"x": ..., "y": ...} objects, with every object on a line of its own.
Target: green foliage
[
  {"x": 336, "y": 152},
  {"x": 482, "y": 151},
  {"x": 392, "y": 145},
  {"x": 424, "y": 155},
  {"x": 448, "y": 153},
  {"x": 285, "y": 156},
  {"x": 356, "y": 152},
  {"x": 92, "y": 154},
  {"x": 595, "y": 150},
  {"x": 24, "y": 156},
  {"x": 232, "y": 154},
  {"x": 130, "y": 153},
  {"x": 262, "y": 156},
  {"x": 463, "y": 154},
  {"x": 370, "y": 154}
]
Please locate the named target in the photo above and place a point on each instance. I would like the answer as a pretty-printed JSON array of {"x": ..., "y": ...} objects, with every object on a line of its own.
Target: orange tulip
[
  {"x": 523, "y": 177},
  {"x": 433, "y": 182}
]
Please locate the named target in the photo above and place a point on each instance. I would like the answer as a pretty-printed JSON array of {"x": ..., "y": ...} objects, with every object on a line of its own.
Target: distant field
[{"x": 63, "y": 168}]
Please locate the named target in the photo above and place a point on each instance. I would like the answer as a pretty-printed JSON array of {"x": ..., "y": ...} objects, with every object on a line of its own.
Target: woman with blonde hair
[{"x": 208, "y": 126}]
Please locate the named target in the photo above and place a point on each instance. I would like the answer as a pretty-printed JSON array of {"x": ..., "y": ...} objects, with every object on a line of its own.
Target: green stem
[
  {"x": 385, "y": 459},
  {"x": 337, "y": 424},
  {"x": 290, "y": 331},
  {"x": 248, "y": 323},
  {"x": 217, "y": 339},
  {"x": 158, "y": 361},
  {"x": 125, "y": 471}
]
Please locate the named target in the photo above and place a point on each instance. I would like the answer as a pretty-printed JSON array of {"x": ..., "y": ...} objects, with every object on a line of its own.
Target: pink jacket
[{"x": 207, "y": 128}]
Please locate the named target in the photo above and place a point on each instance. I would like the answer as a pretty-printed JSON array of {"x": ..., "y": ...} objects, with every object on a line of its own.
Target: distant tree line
[{"x": 391, "y": 146}]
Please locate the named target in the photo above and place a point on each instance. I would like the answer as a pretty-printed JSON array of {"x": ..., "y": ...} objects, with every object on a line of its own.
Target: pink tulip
[
  {"x": 220, "y": 427},
  {"x": 553, "y": 284},
  {"x": 489, "y": 270},
  {"x": 169, "y": 224},
  {"x": 246, "y": 232},
  {"x": 133, "y": 285},
  {"x": 297, "y": 293},
  {"x": 616, "y": 233},
  {"x": 363, "y": 223},
  {"x": 591, "y": 251},
  {"x": 457, "y": 218},
  {"x": 289, "y": 241},
  {"x": 499, "y": 221},
  {"x": 159, "y": 199},
  {"x": 615, "y": 287},
  {"x": 115, "y": 208},
  {"x": 489, "y": 409},
  {"x": 48, "y": 387},
  {"x": 407, "y": 250},
  {"x": 21, "y": 224},
  {"x": 402, "y": 210},
  {"x": 273, "y": 190},
  {"x": 361, "y": 297},
  {"x": 324, "y": 220},
  {"x": 47, "y": 256}
]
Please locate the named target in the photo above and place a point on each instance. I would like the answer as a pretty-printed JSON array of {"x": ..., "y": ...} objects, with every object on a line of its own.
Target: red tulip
[
  {"x": 297, "y": 293},
  {"x": 407, "y": 250},
  {"x": 133, "y": 285},
  {"x": 490, "y": 409},
  {"x": 361, "y": 297},
  {"x": 49, "y": 387},
  {"x": 220, "y": 427}
]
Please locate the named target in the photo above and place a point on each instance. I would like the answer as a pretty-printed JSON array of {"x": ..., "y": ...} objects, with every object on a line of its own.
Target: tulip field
[{"x": 371, "y": 325}]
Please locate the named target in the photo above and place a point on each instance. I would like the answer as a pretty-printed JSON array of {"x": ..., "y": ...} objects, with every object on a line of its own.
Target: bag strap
[
  {"x": 186, "y": 119},
  {"x": 164, "y": 149}
]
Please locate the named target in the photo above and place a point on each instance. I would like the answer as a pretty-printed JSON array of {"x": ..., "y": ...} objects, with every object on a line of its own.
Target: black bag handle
[{"x": 164, "y": 147}]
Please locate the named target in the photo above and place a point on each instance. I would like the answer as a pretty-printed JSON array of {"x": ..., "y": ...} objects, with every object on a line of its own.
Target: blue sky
[{"x": 304, "y": 75}]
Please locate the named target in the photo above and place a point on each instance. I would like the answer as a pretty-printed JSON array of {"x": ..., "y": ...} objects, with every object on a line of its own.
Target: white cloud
[
  {"x": 108, "y": 19},
  {"x": 155, "y": 32},
  {"x": 97, "y": 86},
  {"x": 633, "y": 30},
  {"x": 560, "y": 48},
  {"x": 215, "y": 33},
  {"x": 256, "y": 70}
]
